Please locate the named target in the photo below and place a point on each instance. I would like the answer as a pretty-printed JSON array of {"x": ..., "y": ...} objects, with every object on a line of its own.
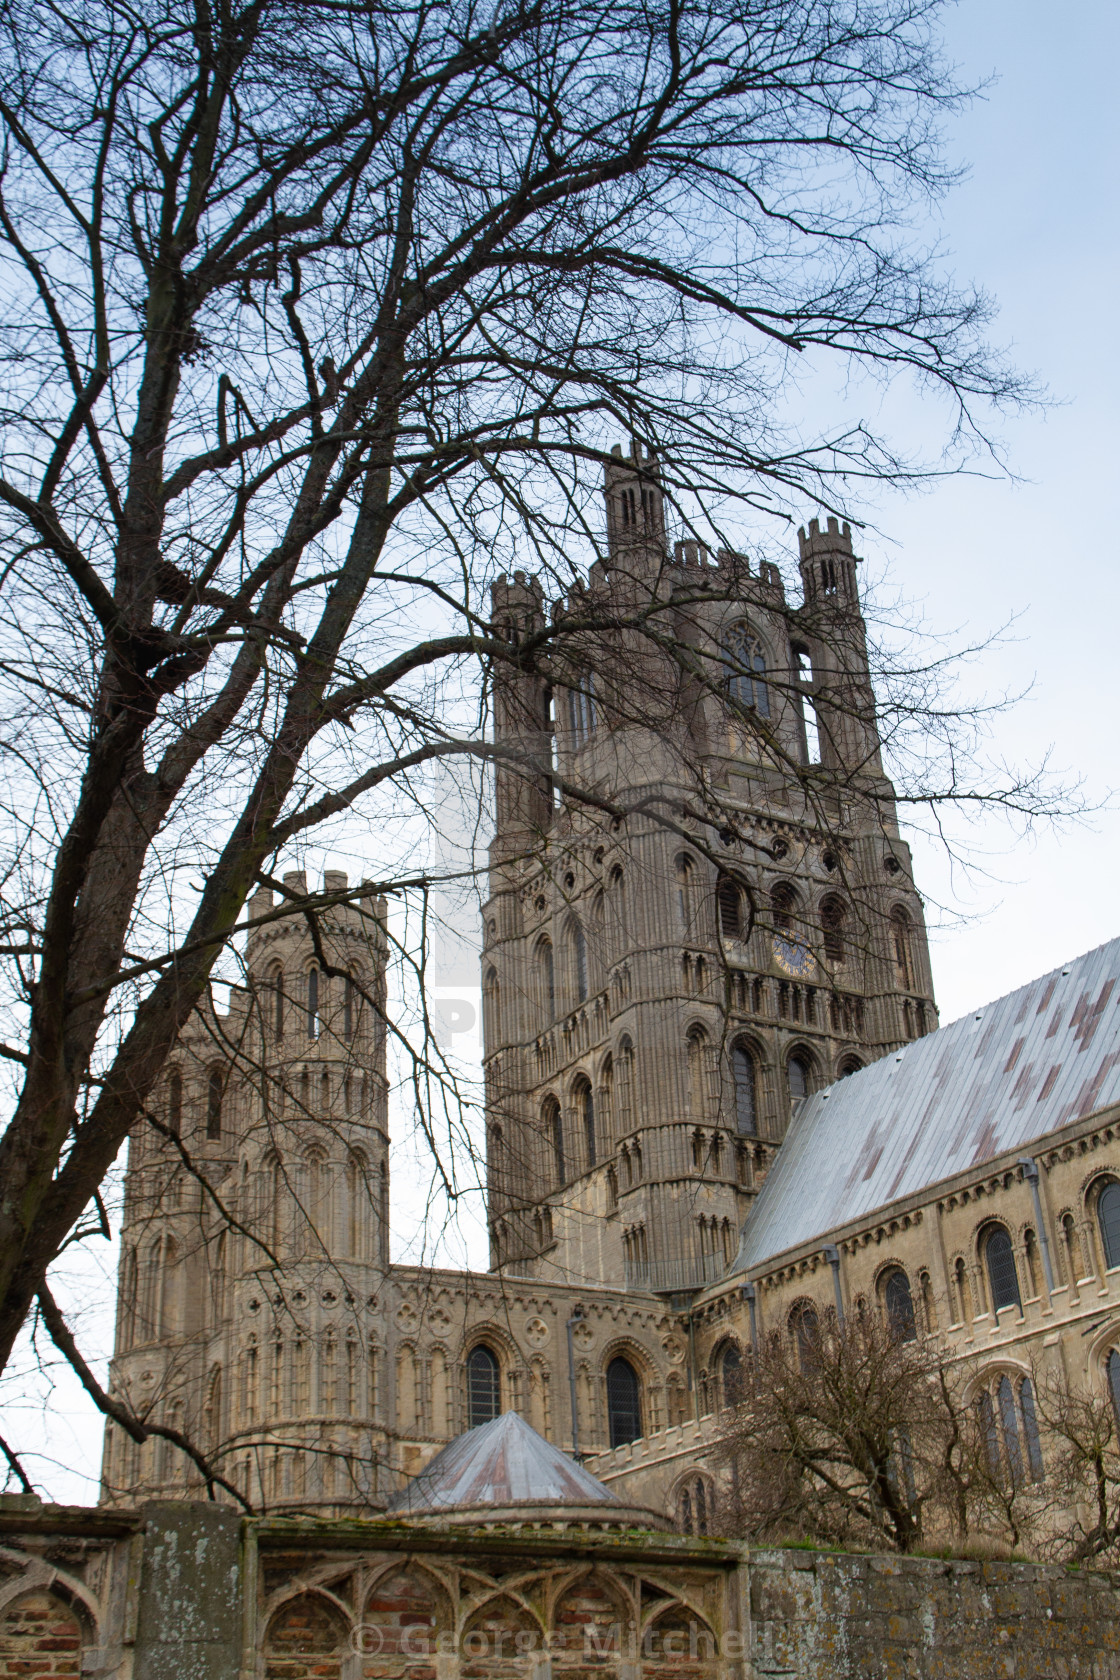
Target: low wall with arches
[{"x": 186, "y": 1591}]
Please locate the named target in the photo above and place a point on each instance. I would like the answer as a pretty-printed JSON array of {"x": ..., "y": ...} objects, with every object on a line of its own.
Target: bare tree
[
  {"x": 861, "y": 1435},
  {"x": 321, "y": 313},
  {"x": 1083, "y": 1468}
]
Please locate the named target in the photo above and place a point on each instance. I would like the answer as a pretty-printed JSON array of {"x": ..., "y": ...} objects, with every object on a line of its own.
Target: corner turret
[
  {"x": 635, "y": 503},
  {"x": 828, "y": 564}
]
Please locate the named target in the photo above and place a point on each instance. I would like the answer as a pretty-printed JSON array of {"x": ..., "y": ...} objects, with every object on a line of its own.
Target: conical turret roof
[{"x": 501, "y": 1463}]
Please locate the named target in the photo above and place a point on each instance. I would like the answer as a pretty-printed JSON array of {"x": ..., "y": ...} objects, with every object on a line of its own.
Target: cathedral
[{"x": 717, "y": 1093}]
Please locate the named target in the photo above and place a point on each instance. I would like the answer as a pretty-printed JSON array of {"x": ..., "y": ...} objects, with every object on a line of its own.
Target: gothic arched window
[
  {"x": 1009, "y": 1421},
  {"x": 579, "y": 961},
  {"x": 899, "y": 1304},
  {"x": 729, "y": 898},
  {"x": 552, "y": 1125},
  {"x": 745, "y": 663},
  {"x": 616, "y": 884},
  {"x": 624, "y": 1402},
  {"x": 833, "y": 916},
  {"x": 607, "y": 1124},
  {"x": 806, "y": 1329},
  {"x": 697, "y": 1071},
  {"x": 1030, "y": 1430},
  {"x": 1108, "y": 1219},
  {"x": 484, "y": 1385},
  {"x": 990, "y": 1431},
  {"x": 214, "y": 1088},
  {"x": 585, "y": 1103},
  {"x": 901, "y": 949},
  {"x": 685, "y": 873},
  {"x": 490, "y": 1000},
  {"x": 1003, "y": 1279},
  {"x": 582, "y": 710},
  {"x": 625, "y": 1085},
  {"x": 546, "y": 969},
  {"x": 743, "y": 1069},
  {"x": 313, "y": 1003},
  {"x": 731, "y": 1375},
  {"x": 1112, "y": 1371},
  {"x": 175, "y": 1101},
  {"x": 797, "y": 1078},
  {"x": 276, "y": 1001},
  {"x": 693, "y": 1503},
  {"x": 783, "y": 903}
]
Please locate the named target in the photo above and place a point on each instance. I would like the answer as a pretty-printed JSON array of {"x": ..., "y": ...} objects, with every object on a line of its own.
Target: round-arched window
[
  {"x": 484, "y": 1386},
  {"x": 797, "y": 1075},
  {"x": 899, "y": 1303},
  {"x": 1108, "y": 1219},
  {"x": 1002, "y": 1276},
  {"x": 624, "y": 1402}
]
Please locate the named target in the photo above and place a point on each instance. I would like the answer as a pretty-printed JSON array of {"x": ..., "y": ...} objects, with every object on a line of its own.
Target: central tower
[{"x": 701, "y": 909}]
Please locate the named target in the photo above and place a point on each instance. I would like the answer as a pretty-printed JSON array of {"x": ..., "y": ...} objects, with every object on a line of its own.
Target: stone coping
[{"x": 549, "y": 1513}]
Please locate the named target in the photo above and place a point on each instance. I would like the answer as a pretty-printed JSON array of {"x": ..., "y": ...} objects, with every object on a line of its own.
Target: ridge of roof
[
  {"x": 996, "y": 1079},
  {"x": 503, "y": 1462}
]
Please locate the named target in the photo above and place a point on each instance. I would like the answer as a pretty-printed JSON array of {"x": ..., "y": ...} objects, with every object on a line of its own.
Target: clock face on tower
[{"x": 793, "y": 957}]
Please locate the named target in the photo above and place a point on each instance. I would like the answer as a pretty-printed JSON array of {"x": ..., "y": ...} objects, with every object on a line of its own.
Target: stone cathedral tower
[
  {"x": 665, "y": 979},
  {"x": 724, "y": 924},
  {"x": 257, "y": 1333}
]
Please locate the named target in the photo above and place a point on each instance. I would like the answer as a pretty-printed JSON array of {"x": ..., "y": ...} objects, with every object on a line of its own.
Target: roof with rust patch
[
  {"x": 993, "y": 1081},
  {"x": 503, "y": 1462}
]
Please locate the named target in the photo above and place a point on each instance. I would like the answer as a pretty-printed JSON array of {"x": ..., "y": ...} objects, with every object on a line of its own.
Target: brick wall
[
  {"x": 39, "y": 1639},
  {"x": 827, "y": 1616}
]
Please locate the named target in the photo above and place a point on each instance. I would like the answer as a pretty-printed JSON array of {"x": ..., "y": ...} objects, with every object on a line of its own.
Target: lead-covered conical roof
[{"x": 500, "y": 1463}]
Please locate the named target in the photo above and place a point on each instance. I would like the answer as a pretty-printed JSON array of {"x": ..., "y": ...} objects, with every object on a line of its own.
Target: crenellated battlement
[
  {"x": 521, "y": 596},
  {"x": 835, "y": 539}
]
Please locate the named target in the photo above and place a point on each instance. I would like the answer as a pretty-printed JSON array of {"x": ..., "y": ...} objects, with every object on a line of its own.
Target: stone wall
[
  {"x": 831, "y": 1616},
  {"x": 195, "y": 1592}
]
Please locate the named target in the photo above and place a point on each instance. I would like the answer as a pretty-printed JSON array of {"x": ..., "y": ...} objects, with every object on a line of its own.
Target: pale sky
[{"x": 1036, "y": 224}]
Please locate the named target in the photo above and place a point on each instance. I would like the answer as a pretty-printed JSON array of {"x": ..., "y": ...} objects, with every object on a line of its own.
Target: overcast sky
[{"x": 1036, "y": 224}]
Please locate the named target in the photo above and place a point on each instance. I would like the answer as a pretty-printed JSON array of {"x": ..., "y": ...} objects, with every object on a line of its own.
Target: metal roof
[
  {"x": 503, "y": 1462},
  {"x": 993, "y": 1081}
]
